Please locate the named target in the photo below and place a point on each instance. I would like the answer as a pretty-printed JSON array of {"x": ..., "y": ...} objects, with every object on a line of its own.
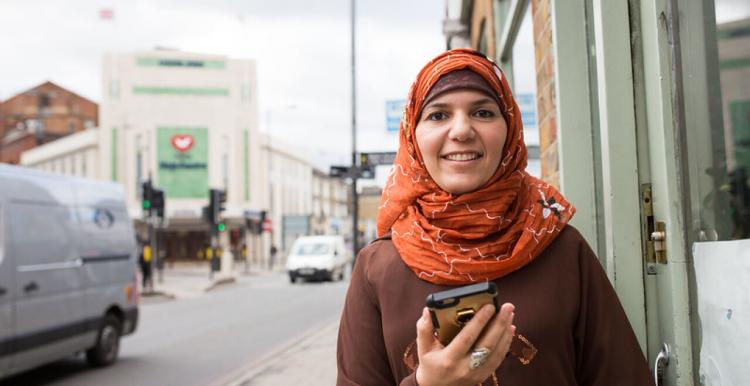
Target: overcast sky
[{"x": 302, "y": 49}]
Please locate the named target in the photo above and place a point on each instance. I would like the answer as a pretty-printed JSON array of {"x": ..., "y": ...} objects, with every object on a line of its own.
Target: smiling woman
[
  {"x": 459, "y": 208},
  {"x": 461, "y": 132}
]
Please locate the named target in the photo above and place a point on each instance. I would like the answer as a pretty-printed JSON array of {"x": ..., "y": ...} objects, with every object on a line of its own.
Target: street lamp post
[{"x": 354, "y": 171}]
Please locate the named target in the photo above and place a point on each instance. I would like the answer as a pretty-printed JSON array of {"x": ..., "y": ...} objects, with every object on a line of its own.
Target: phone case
[{"x": 452, "y": 309}]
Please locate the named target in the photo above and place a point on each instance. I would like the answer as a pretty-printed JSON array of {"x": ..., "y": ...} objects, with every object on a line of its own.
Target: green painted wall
[
  {"x": 182, "y": 170},
  {"x": 181, "y": 91},
  {"x": 167, "y": 62}
]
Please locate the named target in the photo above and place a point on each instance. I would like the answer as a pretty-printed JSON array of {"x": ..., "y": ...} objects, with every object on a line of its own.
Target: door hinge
[{"x": 653, "y": 233}]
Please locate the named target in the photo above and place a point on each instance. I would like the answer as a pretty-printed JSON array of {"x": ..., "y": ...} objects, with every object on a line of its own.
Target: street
[{"x": 212, "y": 339}]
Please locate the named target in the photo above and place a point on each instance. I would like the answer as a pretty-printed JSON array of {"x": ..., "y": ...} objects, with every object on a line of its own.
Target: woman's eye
[
  {"x": 436, "y": 116},
  {"x": 484, "y": 113}
]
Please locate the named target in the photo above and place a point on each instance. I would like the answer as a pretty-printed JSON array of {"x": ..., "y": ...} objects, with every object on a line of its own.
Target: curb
[
  {"x": 154, "y": 294},
  {"x": 219, "y": 282},
  {"x": 245, "y": 375}
]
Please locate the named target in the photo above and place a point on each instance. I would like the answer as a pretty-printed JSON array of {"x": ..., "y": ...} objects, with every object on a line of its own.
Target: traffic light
[
  {"x": 157, "y": 202},
  {"x": 254, "y": 221},
  {"x": 263, "y": 215},
  {"x": 212, "y": 212},
  {"x": 152, "y": 200},
  {"x": 216, "y": 204},
  {"x": 146, "y": 197},
  {"x": 207, "y": 213}
]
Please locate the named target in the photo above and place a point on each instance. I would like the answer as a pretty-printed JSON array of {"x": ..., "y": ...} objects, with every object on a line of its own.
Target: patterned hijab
[{"x": 476, "y": 236}]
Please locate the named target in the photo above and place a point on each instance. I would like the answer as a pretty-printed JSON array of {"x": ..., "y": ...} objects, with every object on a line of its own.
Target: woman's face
[{"x": 461, "y": 135}]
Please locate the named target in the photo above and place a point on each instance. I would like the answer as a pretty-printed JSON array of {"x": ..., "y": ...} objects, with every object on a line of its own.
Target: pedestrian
[
  {"x": 459, "y": 208},
  {"x": 272, "y": 258},
  {"x": 146, "y": 268}
]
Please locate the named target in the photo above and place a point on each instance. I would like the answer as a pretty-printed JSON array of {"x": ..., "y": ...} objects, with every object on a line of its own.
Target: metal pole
[
  {"x": 354, "y": 171},
  {"x": 152, "y": 242}
]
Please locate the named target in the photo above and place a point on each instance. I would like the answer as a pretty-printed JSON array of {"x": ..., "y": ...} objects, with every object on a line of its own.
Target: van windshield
[{"x": 312, "y": 249}]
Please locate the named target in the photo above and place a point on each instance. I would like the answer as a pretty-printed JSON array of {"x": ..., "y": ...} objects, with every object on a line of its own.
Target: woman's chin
[{"x": 460, "y": 187}]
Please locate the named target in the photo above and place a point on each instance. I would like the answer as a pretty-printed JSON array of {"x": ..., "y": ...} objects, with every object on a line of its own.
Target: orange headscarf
[{"x": 475, "y": 236}]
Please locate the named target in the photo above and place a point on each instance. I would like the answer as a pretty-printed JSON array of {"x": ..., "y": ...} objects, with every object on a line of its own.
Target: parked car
[
  {"x": 318, "y": 257},
  {"x": 68, "y": 278}
]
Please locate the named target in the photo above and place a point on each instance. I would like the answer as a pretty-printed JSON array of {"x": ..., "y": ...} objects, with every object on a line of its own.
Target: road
[{"x": 207, "y": 340}]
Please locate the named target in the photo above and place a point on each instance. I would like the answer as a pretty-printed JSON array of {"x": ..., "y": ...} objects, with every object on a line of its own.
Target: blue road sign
[{"x": 393, "y": 111}]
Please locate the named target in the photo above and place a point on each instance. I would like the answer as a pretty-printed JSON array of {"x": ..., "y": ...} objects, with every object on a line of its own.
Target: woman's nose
[{"x": 461, "y": 130}]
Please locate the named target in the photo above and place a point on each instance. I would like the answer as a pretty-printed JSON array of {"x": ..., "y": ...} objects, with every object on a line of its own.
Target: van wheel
[
  {"x": 292, "y": 279},
  {"x": 107, "y": 346}
]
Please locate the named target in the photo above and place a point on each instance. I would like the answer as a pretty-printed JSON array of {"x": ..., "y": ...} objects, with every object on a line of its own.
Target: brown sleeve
[
  {"x": 411, "y": 380},
  {"x": 607, "y": 350},
  {"x": 361, "y": 353}
]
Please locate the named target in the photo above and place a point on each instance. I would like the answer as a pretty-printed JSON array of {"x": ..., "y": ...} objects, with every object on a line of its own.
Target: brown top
[{"x": 571, "y": 328}]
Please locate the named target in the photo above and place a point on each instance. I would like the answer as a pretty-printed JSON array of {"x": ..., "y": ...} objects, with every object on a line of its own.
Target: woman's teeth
[{"x": 462, "y": 157}]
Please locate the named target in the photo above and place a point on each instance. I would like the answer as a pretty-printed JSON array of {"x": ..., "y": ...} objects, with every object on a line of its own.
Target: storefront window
[
  {"x": 716, "y": 116},
  {"x": 720, "y": 167}
]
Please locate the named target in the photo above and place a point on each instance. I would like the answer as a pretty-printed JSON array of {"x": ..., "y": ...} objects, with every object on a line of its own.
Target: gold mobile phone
[{"x": 452, "y": 309}]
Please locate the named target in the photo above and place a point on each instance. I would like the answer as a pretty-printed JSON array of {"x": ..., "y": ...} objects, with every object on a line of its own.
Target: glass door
[{"x": 695, "y": 134}]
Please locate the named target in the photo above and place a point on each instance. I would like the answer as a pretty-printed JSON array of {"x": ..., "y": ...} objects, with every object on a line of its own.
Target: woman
[{"x": 458, "y": 209}]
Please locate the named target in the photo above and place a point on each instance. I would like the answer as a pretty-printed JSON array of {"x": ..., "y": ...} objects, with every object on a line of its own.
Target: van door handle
[{"x": 31, "y": 287}]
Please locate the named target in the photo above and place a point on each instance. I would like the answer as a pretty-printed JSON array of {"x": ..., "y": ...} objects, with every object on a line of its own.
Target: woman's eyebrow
[
  {"x": 437, "y": 105},
  {"x": 443, "y": 105},
  {"x": 483, "y": 101}
]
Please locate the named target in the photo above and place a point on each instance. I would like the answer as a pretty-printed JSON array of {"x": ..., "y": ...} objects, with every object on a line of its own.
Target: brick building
[{"x": 40, "y": 115}]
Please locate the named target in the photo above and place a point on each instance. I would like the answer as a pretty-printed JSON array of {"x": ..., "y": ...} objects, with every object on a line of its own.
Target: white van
[
  {"x": 68, "y": 279},
  {"x": 318, "y": 257}
]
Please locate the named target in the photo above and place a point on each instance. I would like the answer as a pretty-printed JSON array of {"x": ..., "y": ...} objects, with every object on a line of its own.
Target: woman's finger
[
  {"x": 425, "y": 337},
  {"x": 497, "y": 328},
  {"x": 464, "y": 341}
]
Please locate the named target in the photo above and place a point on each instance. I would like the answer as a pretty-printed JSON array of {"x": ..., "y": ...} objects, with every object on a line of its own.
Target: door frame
[
  {"x": 640, "y": 133},
  {"x": 677, "y": 50}
]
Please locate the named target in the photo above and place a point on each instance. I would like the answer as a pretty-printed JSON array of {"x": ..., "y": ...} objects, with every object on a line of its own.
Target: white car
[{"x": 318, "y": 257}]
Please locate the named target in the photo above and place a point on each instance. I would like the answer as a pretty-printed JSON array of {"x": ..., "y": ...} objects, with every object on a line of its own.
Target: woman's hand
[{"x": 449, "y": 365}]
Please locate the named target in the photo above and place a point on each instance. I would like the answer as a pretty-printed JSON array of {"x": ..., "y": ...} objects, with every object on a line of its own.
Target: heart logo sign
[{"x": 182, "y": 142}]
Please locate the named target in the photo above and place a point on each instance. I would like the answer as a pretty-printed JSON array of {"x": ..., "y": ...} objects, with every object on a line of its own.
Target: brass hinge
[{"x": 653, "y": 233}]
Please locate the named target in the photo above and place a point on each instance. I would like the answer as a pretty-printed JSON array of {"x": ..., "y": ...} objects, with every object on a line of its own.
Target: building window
[
  {"x": 114, "y": 89},
  {"x": 138, "y": 170},
  {"x": 43, "y": 101},
  {"x": 225, "y": 165}
]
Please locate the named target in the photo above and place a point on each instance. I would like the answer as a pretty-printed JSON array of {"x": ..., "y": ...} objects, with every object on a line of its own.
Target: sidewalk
[
  {"x": 183, "y": 280},
  {"x": 310, "y": 361}
]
